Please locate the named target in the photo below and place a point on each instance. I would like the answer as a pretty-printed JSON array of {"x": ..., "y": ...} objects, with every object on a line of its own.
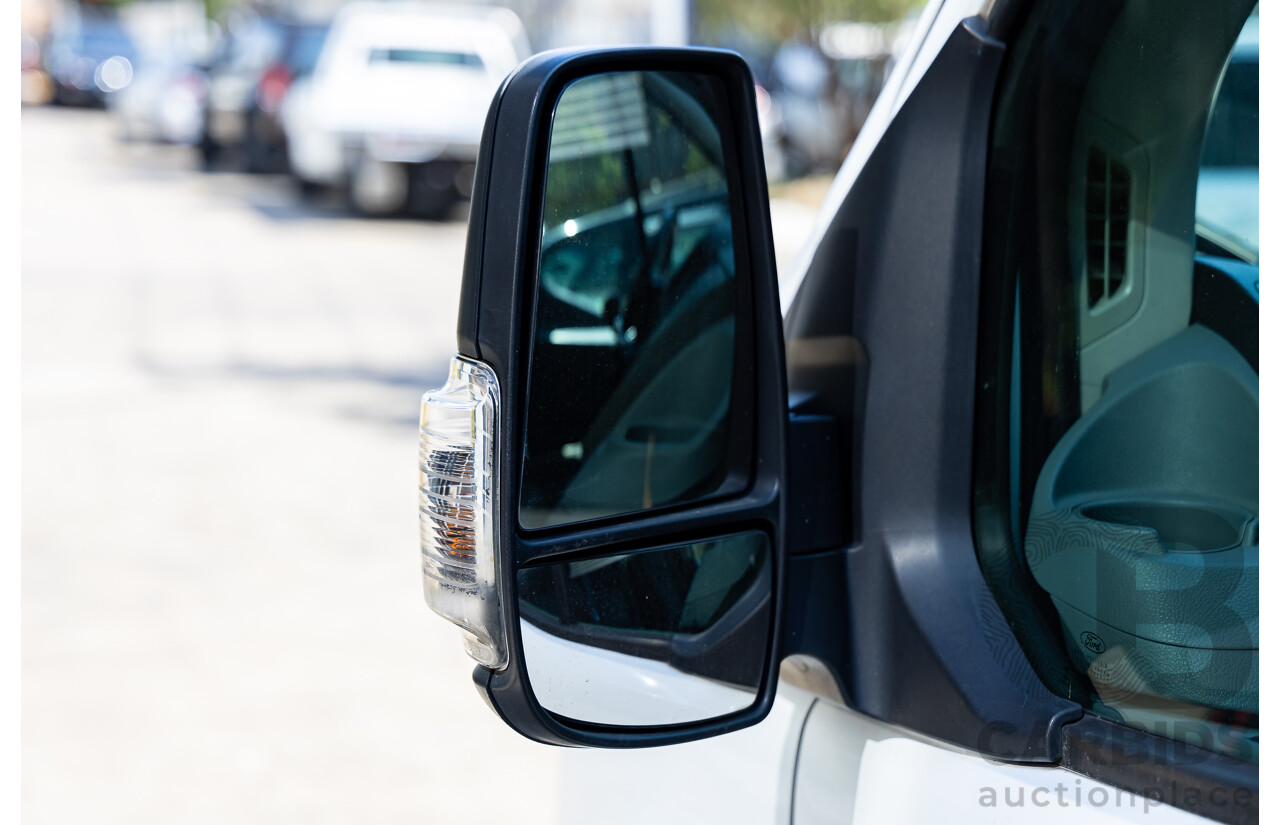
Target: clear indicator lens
[{"x": 456, "y": 483}]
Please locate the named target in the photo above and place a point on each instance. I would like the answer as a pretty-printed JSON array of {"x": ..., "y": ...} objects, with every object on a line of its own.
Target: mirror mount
[{"x": 496, "y": 327}]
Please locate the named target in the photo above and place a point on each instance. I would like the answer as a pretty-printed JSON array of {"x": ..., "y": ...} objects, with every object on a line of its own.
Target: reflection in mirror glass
[
  {"x": 660, "y": 637},
  {"x": 634, "y": 330}
]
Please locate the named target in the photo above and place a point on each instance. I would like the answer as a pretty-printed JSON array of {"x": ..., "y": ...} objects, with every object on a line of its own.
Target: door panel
[{"x": 742, "y": 777}]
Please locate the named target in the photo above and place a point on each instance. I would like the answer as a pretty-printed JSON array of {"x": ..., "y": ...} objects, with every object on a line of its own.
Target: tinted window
[
  {"x": 1117, "y": 487},
  {"x": 1227, "y": 192},
  {"x": 424, "y": 56}
]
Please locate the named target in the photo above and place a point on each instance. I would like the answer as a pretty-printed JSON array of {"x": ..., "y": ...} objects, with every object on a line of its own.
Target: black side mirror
[{"x": 602, "y": 477}]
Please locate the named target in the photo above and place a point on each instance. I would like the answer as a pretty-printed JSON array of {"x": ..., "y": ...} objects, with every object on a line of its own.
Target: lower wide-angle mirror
[{"x": 658, "y": 637}]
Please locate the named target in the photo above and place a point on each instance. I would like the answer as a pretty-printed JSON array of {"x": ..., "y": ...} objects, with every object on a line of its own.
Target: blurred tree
[
  {"x": 213, "y": 9},
  {"x": 787, "y": 19},
  {"x": 217, "y": 9}
]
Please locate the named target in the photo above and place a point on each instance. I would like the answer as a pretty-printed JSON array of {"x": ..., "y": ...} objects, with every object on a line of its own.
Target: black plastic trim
[
  {"x": 904, "y": 619},
  {"x": 1162, "y": 770}
]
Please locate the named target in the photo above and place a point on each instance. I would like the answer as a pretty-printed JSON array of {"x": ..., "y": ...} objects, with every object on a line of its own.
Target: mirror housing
[{"x": 496, "y": 331}]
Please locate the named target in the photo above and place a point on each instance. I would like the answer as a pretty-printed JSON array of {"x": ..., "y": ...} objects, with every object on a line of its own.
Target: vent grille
[{"x": 1107, "y": 202}]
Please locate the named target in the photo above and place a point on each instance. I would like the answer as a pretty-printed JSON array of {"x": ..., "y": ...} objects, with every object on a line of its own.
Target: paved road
[{"x": 222, "y": 616}]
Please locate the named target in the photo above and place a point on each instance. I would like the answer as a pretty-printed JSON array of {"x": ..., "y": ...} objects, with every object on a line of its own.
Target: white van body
[{"x": 814, "y": 761}]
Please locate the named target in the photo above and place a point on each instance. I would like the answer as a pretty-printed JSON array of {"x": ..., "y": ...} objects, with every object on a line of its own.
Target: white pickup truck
[{"x": 394, "y": 110}]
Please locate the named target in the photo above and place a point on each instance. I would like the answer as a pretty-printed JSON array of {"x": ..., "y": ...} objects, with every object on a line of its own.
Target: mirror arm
[{"x": 817, "y": 518}]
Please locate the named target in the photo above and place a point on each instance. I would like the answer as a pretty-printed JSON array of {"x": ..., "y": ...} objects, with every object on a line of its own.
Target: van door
[{"x": 1114, "y": 499}]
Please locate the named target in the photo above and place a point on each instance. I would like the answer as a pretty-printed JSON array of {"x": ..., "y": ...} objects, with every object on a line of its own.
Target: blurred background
[{"x": 242, "y": 229}]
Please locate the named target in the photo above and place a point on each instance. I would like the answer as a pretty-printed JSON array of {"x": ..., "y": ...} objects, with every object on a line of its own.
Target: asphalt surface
[{"x": 222, "y": 613}]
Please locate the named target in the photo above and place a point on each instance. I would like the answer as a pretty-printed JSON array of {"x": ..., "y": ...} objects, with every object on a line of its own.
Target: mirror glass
[
  {"x": 631, "y": 374},
  {"x": 658, "y": 637}
]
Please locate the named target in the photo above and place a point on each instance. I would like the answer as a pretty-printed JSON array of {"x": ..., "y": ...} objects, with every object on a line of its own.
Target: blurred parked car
[
  {"x": 771, "y": 137},
  {"x": 164, "y": 102},
  {"x": 36, "y": 84},
  {"x": 393, "y": 112},
  {"x": 824, "y": 90},
  {"x": 89, "y": 57},
  {"x": 811, "y": 113},
  {"x": 248, "y": 80},
  {"x": 862, "y": 55}
]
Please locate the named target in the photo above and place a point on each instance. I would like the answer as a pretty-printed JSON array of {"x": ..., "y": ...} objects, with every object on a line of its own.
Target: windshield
[
  {"x": 304, "y": 49},
  {"x": 1227, "y": 192}
]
